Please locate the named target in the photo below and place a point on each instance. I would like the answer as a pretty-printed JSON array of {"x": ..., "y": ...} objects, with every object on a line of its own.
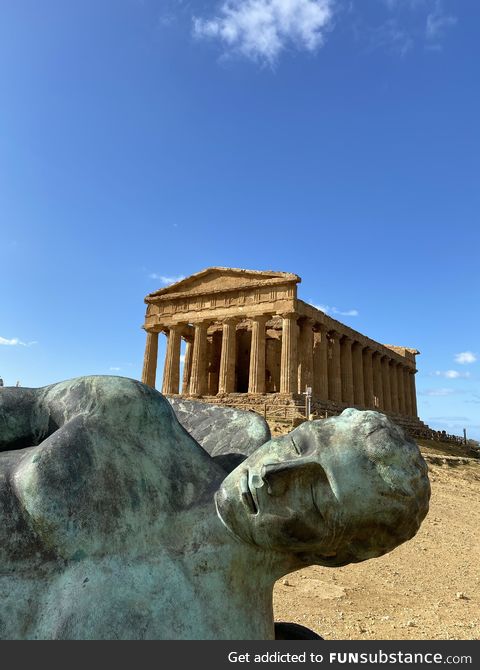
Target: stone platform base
[{"x": 291, "y": 409}]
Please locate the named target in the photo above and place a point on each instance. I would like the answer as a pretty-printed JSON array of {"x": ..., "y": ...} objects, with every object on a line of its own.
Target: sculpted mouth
[{"x": 247, "y": 497}]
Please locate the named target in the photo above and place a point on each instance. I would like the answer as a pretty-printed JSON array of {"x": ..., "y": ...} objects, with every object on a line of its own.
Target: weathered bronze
[{"x": 117, "y": 524}]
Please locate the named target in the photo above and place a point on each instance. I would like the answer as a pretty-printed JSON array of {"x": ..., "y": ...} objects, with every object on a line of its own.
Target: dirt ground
[{"x": 426, "y": 589}]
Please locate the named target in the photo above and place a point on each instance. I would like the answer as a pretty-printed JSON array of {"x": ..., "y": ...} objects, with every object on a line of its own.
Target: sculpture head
[{"x": 331, "y": 492}]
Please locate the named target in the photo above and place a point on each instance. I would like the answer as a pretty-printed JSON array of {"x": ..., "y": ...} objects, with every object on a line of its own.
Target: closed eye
[{"x": 375, "y": 430}]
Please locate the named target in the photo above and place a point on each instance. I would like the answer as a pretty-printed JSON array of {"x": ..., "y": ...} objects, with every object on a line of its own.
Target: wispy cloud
[
  {"x": 402, "y": 4},
  {"x": 261, "y": 29},
  {"x": 465, "y": 357},
  {"x": 114, "y": 368},
  {"x": 334, "y": 310},
  {"x": 451, "y": 374},
  {"x": 166, "y": 281},
  {"x": 390, "y": 36},
  {"x": 441, "y": 392},
  {"x": 438, "y": 22},
  {"x": 407, "y": 24},
  {"x": 15, "y": 342}
]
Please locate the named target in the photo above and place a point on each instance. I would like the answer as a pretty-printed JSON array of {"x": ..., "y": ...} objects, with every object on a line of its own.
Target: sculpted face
[{"x": 331, "y": 492}]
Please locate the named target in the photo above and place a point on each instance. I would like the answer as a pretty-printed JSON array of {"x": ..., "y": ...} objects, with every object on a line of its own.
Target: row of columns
[
  {"x": 360, "y": 376},
  {"x": 345, "y": 371},
  {"x": 338, "y": 368},
  {"x": 195, "y": 365}
]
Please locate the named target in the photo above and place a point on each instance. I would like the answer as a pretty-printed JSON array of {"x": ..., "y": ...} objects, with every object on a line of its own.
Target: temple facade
[{"x": 246, "y": 332}]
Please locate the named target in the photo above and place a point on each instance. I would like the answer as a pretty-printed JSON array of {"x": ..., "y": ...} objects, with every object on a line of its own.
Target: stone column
[
  {"x": 401, "y": 389},
  {"x": 368, "y": 377},
  {"x": 171, "y": 369},
  {"x": 377, "y": 379},
  {"x": 334, "y": 368},
  {"x": 150, "y": 359},
  {"x": 198, "y": 377},
  {"x": 346, "y": 370},
  {"x": 288, "y": 369},
  {"x": 226, "y": 377},
  {"x": 305, "y": 362},
  {"x": 387, "y": 393},
  {"x": 413, "y": 393},
  {"x": 187, "y": 367},
  {"x": 320, "y": 363},
  {"x": 408, "y": 397},
  {"x": 357, "y": 364},
  {"x": 394, "y": 387},
  {"x": 256, "y": 379}
]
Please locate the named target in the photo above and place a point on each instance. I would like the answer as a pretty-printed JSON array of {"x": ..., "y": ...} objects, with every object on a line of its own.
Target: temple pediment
[{"x": 217, "y": 279}]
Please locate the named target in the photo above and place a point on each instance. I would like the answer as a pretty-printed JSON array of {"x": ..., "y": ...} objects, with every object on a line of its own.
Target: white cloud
[
  {"x": 15, "y": 342},
  {"x": 12, "y": 343},
  {"x": 334, "y": 310},
  {"x": 322, "y": 308},
  {"x": 451, "y": 374},
  {"x": 438, "y": 23},
  {"x": 182, "y": 358},
  {"x": 166, "y": 281},
  {"x": 261, "y": 29},
  {"x": 348, "y": 312},
  {"x": 465, "y": 357},
  {"x": 438, "y": 392},
  {"x": 113, "y": 368}
]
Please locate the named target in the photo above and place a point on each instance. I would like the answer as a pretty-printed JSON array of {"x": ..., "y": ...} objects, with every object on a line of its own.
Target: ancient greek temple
[{"x": 246, "y": 332}]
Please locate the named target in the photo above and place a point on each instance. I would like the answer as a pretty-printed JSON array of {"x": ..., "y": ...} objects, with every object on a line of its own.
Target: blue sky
[{"x": 142, "y": 141}]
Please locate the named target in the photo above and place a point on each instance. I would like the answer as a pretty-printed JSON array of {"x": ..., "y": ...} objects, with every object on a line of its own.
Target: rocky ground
[{"x": 427, "y": 589}]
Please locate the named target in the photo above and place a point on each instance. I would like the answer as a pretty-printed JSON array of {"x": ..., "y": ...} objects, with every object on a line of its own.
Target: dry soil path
[{"x": 428, "y": 588}]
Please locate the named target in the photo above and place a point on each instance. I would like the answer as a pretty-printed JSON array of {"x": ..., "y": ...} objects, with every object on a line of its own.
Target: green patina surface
[{"x": 117, "y": 524}]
